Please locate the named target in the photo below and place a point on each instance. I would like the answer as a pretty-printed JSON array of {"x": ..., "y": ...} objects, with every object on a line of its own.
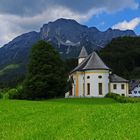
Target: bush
[
  {"x": 1, "y": 96},
  {"x": 3, "y": 93},
  {"x": 122, "y": 99},
  {"x": 14, "y": 93}
]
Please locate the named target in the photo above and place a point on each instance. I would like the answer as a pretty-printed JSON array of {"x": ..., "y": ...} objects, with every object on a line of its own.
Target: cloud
[
  {"x": 13, "y": 25},
  {"x": 33, "y": 7},
  {"x": 19, "y": 16},
  {"x": 127, "y": 25}
]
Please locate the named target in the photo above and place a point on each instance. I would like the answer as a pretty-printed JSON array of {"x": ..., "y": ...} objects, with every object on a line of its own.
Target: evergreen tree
[{"x": 46, "y": 73}]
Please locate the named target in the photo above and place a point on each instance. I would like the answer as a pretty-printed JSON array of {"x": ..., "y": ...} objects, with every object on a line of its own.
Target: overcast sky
[{"x": 20, "y": 16}]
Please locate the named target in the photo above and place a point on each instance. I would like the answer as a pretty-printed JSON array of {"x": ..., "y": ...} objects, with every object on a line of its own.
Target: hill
[{"x": 70, "y": 119}]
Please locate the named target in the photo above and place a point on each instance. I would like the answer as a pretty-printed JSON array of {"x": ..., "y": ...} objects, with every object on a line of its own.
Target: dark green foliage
[
  {"x": 10, "y": 78},
  {"x": 122, "y": 55},
  {"x": 1, "y": 96},
  {"x": 122, "y": 99},
  {"x": 70, "y": 64},
  {"x": 46, "y": 73},
  {"x": 13, "y": 93}
]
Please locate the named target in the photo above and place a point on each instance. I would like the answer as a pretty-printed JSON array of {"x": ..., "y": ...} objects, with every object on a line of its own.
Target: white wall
[
  {"x": 93, "y": 81},
  {"x": 119, "y": 90},
  {"x": 135, "y": 92}
]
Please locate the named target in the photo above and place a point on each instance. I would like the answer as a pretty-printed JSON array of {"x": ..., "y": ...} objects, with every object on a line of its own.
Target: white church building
[{"x": 92, "y": 78}]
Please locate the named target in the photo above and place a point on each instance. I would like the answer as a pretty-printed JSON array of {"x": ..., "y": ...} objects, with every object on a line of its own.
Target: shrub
[
  {"x": 1, "y": 95},
  {"x": 15, "y": 93},
  {"x": 12, "y": 93},
  {"x": 122, "y": 99},
  {"x": 5, "y": 95}
]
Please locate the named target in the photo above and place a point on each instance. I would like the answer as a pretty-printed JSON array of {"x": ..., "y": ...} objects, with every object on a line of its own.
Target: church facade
[{"x": 92, "y": 78}]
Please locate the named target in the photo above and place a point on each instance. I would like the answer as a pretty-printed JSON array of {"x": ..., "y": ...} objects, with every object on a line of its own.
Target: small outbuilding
[{"x": 134, "y": 88}]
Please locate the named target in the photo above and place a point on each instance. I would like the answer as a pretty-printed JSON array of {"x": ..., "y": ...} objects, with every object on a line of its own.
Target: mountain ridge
[{"x": 66, "y": 35}]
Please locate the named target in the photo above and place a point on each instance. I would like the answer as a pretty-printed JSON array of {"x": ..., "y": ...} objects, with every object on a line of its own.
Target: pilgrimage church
[{"x": 92, "y": 78}]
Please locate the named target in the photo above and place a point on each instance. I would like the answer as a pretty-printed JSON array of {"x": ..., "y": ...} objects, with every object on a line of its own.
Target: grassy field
[{"x": 62, "y": 119}]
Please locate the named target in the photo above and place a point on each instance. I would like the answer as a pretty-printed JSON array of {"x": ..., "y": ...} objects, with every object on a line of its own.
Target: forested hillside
[{"x": 122, "y": 55}]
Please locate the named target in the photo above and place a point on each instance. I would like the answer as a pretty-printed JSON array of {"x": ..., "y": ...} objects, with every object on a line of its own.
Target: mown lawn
[{"x": 73, "y": 119}]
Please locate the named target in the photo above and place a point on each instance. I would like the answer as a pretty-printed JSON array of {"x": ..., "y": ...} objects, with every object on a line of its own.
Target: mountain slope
[
  {"x": 17, "y": 50},
  {"x": 67, "y": 36}
]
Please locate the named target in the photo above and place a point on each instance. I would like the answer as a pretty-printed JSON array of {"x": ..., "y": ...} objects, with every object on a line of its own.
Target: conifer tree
[{"x": 46, "y": 73}]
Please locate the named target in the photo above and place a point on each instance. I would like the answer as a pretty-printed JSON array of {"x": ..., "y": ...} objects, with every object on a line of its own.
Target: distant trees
[
  {"x": 46, "y": 76},
  {"x": 122, "y": 55}
]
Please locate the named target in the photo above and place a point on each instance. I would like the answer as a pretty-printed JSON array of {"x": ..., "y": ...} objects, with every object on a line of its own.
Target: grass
[
  {"x": 69, "y": 119},
  {"x": 8, "y": 67}
]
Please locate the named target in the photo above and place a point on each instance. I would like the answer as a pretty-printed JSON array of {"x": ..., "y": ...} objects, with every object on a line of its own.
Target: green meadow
[{"x": 69, "y": 119}]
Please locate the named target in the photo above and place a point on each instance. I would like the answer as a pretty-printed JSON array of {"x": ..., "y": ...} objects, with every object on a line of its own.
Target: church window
[
  {"x": 99, "y": 76},
  {"x": 88, "y": 77},
  {"x": 135, "y": 92},
  {"x": 100, "y": 86},
  {"x": 88, "y": 88},
  {"x": 122, "y": 86},
  {"x": 114, "y": 86}
]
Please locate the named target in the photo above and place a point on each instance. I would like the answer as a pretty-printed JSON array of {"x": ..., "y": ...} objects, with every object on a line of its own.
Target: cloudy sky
[{"x": 20, "y": 16}]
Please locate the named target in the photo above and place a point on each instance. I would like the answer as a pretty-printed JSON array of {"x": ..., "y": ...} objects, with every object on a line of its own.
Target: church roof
[
  {"x": 133, "y": 84},
  {"x": 83, "y": 53},
  {"x": 91, "y": 62},
  {"x": 116, "y": 78}
]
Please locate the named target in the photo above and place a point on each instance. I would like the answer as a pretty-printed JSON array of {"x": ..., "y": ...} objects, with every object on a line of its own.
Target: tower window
[
  {"x": 88, "y": 88},
  {"x": 114, "y": 86}
]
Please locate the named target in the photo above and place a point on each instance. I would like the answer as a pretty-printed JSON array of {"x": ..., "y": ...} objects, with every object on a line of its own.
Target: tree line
[{"x": 122, "y": 55}]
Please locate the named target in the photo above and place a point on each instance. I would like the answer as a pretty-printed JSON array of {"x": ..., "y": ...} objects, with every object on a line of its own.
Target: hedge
[{"x": 122, "y": 99}]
